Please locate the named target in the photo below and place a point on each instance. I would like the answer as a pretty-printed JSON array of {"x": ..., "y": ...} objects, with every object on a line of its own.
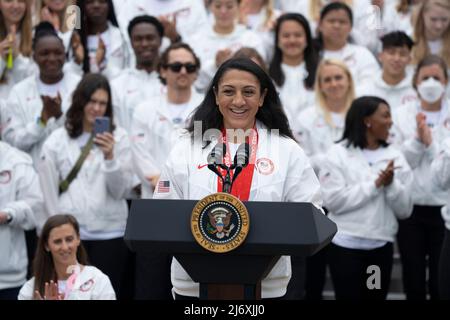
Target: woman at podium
[{"x": 240, "y": 106}]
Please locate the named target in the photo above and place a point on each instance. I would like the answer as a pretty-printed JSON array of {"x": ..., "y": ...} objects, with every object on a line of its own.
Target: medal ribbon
[{"x": 241, "y": 187}]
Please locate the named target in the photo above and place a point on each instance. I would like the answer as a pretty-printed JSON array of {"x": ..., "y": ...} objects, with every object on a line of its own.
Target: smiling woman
[
  {"x": 60, "y": 267},
  {"x": 366, "y": 186},
  {"x": 240, "y": 98}
]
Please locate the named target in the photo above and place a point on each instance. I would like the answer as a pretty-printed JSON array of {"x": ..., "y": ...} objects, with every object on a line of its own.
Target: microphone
[
  {"x": 242, "y": 156},
  {"x": 215, "y": 158},
  {"x": 241, "y": 159}
]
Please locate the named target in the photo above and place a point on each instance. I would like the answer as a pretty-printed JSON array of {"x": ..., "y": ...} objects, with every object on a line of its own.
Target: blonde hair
[
  {"x": 24, "y": 28},
  {"x": 315, "y": 6},
  {"x": 320, "y": 96},
  {"x": 270, "y": 14},
  {"x": 62, "y": 16},
  {"x": 421, "y": 49}
]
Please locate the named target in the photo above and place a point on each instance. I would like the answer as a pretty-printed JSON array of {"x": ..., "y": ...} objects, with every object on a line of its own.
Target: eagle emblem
[{"x": 219, "y": 222}]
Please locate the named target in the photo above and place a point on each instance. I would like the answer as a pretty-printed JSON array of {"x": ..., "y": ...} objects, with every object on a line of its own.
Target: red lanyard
[{"x": 242, "y": 185}]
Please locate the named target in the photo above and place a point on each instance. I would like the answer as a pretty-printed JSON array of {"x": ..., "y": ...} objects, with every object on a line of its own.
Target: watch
[{"x": 8, "y": 218}]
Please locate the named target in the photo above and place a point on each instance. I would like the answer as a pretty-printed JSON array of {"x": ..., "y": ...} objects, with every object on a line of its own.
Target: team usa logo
[
  {"x": 265, "y": 166},
  {"x": 220, "y": 222}
]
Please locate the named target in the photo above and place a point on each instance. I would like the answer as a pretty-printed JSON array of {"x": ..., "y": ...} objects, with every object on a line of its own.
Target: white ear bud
[{"x": 368, "y": 125}]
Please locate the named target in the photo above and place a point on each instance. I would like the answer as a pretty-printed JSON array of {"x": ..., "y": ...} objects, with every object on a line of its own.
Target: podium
[{"x": 276, "y": 229}]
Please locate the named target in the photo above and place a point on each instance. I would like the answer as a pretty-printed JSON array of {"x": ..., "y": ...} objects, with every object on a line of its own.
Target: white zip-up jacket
[
  {"x": 293, "y": 94},
  {"x": 359, "y": 60},
  {"x": 153, "y": 135},
  {"x": 129, "y": 89},
  {"x": 96, "y": 197},
  {"x": 440, "y": 170},
  {"x": 23, "y": 109},
  {"x": 282, "y": 173},
  {"x": 23, "y": 67},
  {"x": 355, "y": 204},
  {"x": 396, "y": 96},
  {"x": 314, "y": 135},
  {"x": 206, "y": 43},
  {"x": 420, "y": 157},
  {"x": 90, "y": 284},
  {"x": 21, "y": 197},
  {"x": 117, "y": 56}
]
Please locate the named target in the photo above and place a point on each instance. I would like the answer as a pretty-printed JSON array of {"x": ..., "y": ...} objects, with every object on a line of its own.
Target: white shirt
[
  {"x": 435, "y": 46},
  {"x": 396, "y": 95},
  {"x": 50, "y": 90},
  {"x": 420, "y": 157},
  {"x": 23, "y": 110},
  {"x": 154, "y": 133},
  {"x": 293, "y": 94},
  {"x": 92, "y": 46},
  {"x": 90, "y": 284},
  {"x": 206, "y": 43},
  {"x": 440, "y": 170},
  {"x": 358, "y": 59},
  {"x": 355, "y": 204},
  {"x": 96, "y": 197},
  {"x": 21, "y": 197},
  {"x": 286, "y": 171},
  {"x": 315, "y": 135},
  {"x": 131, "y": 88}
]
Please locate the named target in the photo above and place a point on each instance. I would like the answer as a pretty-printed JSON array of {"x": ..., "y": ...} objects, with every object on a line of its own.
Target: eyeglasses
[{"x": 176, "y": 67}]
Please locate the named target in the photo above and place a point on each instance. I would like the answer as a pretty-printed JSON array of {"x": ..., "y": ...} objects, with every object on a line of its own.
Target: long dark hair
[
  {"x": 333, "y": 6},
  {"x": 355, "y": 132},
  {"x": 271, "y": 113},
  {"x": 43, "y": 265},
  {"x": 311, "y": 56},
  {"x": 84, "y": 30},
  {"x": 81, "y": 96}
]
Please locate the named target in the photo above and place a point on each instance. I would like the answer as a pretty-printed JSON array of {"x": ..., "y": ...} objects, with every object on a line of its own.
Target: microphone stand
[{"x": 227, "y": 183}]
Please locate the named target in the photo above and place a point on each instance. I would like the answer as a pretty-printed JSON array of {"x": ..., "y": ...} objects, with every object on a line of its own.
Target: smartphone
[{"x": 102, "y": 125}]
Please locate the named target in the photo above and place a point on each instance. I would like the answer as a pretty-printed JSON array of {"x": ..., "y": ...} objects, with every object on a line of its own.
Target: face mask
[{"x": 431, "y": 90}]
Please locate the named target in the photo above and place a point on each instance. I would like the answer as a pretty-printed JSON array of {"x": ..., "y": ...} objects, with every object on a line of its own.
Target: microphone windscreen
[
  {"x": 242, "y": 155},
  {"x": 216, "y": 154}
]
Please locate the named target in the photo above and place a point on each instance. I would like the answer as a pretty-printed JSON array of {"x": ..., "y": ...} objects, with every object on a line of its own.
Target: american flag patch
[{"x": 164, "y": 186}]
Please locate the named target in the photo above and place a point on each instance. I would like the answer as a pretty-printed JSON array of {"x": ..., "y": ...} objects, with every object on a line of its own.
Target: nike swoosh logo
[{"x": 201, "y": 166}]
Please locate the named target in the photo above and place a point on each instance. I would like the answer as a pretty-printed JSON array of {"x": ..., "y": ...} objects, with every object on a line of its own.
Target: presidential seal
[{"x": 220, "y": 222}]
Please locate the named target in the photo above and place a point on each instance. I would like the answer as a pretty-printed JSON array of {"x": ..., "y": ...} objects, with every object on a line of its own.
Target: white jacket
[
  {"x": 440, "y": 170},
  {"x": 293, "y": 94},
  {"x": 314, "y": 135},
  {"x": 129, "y": 89},
  {"x": 206, "y": 42},
  {"x": 23, "y": 67},
  {"x": 23, "y": 109},
  {"x": 396, "y": 96},
  {"x": 90, "y": 284},
  {"x": 359, "y": 60},
  {"x": 96, "y": 197},
  {"x": 153, "y": 135},
  {"x": 419, "y": 157},
  {"x": 21, "y": 197},
  {"x": 286, "y": 176},
  {"x": 117, "y": 56},
  {"x": 355, "y": 204}
]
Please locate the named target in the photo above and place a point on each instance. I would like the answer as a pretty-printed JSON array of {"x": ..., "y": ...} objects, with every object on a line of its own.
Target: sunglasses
[{"x": 176, "y": 67}]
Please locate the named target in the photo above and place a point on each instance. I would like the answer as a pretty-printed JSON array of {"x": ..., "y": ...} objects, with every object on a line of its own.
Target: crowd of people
[{"x": 347, "y": 102}]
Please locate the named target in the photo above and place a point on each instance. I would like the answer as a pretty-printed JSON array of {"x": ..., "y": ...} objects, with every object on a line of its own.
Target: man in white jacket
[
  {"x": 21, "y": 203},
  {"x": 138, "y": 83},
  {"x": 157, "y": 125},
  {"x": 394, "y": 83}
]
